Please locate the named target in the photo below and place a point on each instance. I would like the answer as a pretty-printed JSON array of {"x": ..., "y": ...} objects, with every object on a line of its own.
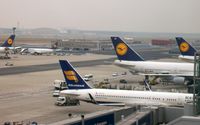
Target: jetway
[
  {"x": 136, "y": 115},
  {"x": 196, "y": 86}
]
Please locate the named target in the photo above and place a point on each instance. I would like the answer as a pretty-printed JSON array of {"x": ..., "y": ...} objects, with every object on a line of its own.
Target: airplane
[
  {"x": 81, "y": 90},
  {"x": 38, "y": 51},
  {"x": 178, "y": 73},
  {"x": 187, "y": 50},
  {"x": 7, "y": 45}
]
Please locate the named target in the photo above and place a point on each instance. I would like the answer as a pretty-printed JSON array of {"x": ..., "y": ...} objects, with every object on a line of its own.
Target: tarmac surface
[
  {"x": 28, "y": 96},
  {"x": 39, "y": 106},
  {"x": 53, "y": 66}
]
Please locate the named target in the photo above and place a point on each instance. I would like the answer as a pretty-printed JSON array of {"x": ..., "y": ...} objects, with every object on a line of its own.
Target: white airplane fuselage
[
  {"x": 186, "y": 58},
  {"x": 150, "y": 67},
  {"x": 40, "y": 50},
  {"x": 2, "y": 49},
  {"x": 129, "y": 97}
]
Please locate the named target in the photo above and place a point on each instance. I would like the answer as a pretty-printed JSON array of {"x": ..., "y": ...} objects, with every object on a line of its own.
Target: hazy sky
[{"x": 181, "y": 16}]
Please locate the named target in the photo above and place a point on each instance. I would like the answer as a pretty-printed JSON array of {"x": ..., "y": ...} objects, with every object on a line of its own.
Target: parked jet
[
  {"x": 79, "y": 89},
  {"x": 7, "y": 45},
  {"x": 38, "y": 51},
  {"x": 187, "y": 50},
  {"x": 179, "y": 73}
]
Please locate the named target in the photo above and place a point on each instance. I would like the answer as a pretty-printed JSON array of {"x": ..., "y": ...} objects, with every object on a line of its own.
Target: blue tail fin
[
  {"x": 72, "y": 78},
  {"x": 185, "y": 48},
  {"x": 124, "y": 52},
  {"x": 9, "y": 41}
]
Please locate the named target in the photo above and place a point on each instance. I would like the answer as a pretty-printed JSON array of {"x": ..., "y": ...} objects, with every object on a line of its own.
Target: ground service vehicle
[{"x": 66, "y": 101}]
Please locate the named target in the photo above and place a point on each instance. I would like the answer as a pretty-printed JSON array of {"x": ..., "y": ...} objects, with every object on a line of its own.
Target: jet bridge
[{"x": 196, "y": 86}]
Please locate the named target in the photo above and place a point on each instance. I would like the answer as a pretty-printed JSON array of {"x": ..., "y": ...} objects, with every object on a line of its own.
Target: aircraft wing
[{"x": 105, "y": 104}]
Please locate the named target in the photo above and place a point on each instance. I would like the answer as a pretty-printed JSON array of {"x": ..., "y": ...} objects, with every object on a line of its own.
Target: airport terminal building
[{"x": 88, "y": 44}]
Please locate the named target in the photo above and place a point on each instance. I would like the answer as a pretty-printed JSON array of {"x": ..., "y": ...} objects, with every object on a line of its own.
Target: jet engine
[{"x": 179, "y": 80}]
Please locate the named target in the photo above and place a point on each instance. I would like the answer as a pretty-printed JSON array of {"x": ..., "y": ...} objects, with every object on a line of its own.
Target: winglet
[
  {"x": 185, "y": 48},
  {"x": 73, "y": 79},
  {"x": 124, "y": 52},
  {"x": 9, "y": 41}
]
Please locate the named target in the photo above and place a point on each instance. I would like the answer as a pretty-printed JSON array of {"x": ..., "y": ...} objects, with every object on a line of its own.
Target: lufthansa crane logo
[
  {"x": 121, "y": 49},
  {"x": 71, "y": 75},
  {"x": 184, "y": 47},
  {"x": 10, "y": 41}
]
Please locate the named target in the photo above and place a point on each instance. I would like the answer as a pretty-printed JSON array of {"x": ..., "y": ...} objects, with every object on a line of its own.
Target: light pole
[{"x": 14, "y": 28}]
